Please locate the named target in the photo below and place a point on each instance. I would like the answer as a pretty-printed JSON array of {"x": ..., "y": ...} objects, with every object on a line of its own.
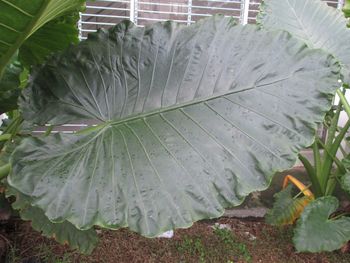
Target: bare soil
[{"x": 248, "y": 240}]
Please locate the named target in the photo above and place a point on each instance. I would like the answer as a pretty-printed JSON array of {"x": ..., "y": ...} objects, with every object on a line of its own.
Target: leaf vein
[
  {"x": 135, "y": 182},
  {"x": 218, "y": 142}
]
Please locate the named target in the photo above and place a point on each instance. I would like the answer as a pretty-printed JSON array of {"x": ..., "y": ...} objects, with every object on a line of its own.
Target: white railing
[{"x": 105, "y": 13}]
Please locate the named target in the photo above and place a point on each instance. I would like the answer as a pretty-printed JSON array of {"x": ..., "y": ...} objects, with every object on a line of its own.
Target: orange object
[{"x": 298, "y": 184}]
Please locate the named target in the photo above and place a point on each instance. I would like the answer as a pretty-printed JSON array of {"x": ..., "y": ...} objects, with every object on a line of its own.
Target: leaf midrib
[
  {"x": 302, "y": 27},
  {"x": 198, "y": 101}
]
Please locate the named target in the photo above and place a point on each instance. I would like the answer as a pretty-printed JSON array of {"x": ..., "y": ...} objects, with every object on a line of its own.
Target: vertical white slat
[
  {"x": 80, "y": 33},
  {"x": 133, "y": 11},
  {"x": 189, "y": 11},
  {"x": 340, "y": 4},
  {"x": 244, "y": 11},
  {"x": 136, "y": 11}
]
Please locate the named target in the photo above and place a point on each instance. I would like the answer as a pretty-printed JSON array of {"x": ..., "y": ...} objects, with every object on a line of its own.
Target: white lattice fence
[{"x": 105, "y": 13}]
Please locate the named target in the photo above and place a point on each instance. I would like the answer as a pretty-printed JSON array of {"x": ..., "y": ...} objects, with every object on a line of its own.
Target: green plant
[
  {"x": 46, "y": 255},
  {"x": 30, "y": 31},
  {"x": 317, "y": 230},
  {"x": 189, "y": 120},
  {"x": 224, "y": 246},
  {"x": 12, "y": 255},
  {"x": 346, "y": 10},
  {"x": 226, "y": 236},
  {"x": 193, "y": 247}
]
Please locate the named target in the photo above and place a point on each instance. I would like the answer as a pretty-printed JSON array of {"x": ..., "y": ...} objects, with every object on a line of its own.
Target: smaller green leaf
[
  {"x": 9, "y": 87},
  {"x": 286, "y": 209},
  {"x": 346, "y": 162},
  {"x": 346, "y": 8},
  {"x": 345, "y": 182},
  {"x": 64, "y": 233},
  {"x": 316, "y": 232},
  {"x": 345, "y": 178},
  {"x": 4, "y": 153}
]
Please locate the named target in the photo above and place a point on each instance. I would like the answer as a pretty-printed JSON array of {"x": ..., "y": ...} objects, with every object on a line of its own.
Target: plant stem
[
  {"x": 301, "y": 192},
  {"x": 5, "y": 137},
  {"x": 340, "y": 215},
  {"x": 93, "y": 128},
  {"x": 333, "y": 126},
  {"x": 341, "y": 148},
  {"x": 331, "y": 185},
  {"x": 344, "y": 102},
  {"x": 4, "y": 170},
  {"x": 317, "y": 157},
  {"x": 49, "y": 130},
  {"x": 334, "y": 158},
  {"x": 327, "y": 165},
  {"x": 316, "y": 187}
]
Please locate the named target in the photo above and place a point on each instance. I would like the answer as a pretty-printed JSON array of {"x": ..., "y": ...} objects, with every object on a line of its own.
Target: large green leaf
[
  {"x": 286, "y": 209},
  {"x": 55, "y": 36},
  {"x": 314, "y": 22},
  {"x": 315, "y": 232},
  {"x": 193, "y": 119},
  {"x": 20, "y": 19},
  {"x": 63, "y": 232},
  {"x": 27, "y": 27}
]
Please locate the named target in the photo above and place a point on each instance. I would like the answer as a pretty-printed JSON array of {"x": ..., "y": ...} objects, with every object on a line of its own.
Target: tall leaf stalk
[{"x": 321, "y": 174}]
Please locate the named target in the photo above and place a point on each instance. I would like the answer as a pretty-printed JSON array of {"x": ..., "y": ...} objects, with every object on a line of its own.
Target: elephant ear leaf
[
  {"x": 314, "y": 22},
  {"x": 316, "y": 232},
  {"x": 191, "y": 120},
  {"x": 286, "y": 209}
]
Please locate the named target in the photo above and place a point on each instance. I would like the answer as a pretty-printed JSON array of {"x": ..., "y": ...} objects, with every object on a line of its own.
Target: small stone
[
  {"x": 221, "y": 226},
  {"x": 167, "y": 234},
  {"x": 250, "y": 236}
]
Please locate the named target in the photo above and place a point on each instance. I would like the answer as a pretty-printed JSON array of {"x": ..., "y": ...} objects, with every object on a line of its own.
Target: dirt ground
[{"x": 248, "y": 240}]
